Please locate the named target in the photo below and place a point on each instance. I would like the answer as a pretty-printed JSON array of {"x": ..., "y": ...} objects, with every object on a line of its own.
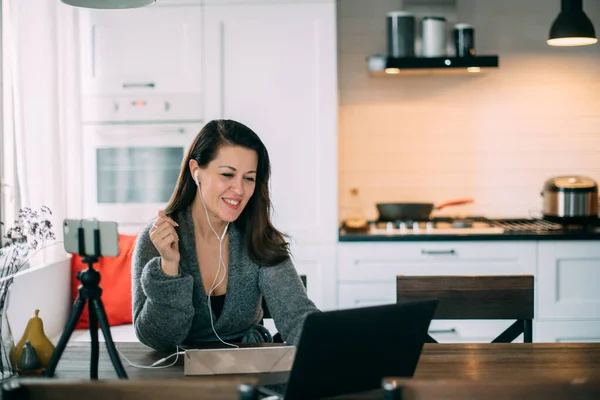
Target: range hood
[
  {"x": 108, "y": 4},
  {"x": 378, "y": 64}
]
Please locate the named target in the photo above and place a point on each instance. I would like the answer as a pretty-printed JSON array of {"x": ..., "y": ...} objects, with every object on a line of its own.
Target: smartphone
[{"x": 109, "y": 237}]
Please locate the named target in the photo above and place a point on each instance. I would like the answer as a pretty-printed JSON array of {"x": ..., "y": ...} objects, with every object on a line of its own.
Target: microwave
[{"x": 130, "y": 170}]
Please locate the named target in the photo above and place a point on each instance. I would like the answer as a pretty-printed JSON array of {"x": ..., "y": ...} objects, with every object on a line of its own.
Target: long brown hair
[{"x": 266, "y": 245}]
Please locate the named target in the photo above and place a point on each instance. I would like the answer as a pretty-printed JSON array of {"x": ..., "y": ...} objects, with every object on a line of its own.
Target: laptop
[{"x": 352, "y": 350}]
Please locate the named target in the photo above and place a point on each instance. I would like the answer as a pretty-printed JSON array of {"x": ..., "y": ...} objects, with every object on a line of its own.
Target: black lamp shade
[{"x": 572, "y": 27}]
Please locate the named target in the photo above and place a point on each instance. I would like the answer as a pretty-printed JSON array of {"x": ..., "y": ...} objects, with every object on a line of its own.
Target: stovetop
[{"x": 473, "y": 225}]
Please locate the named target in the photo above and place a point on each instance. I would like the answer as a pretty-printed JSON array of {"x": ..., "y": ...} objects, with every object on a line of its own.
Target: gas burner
[
  {"x": 462, "y": 224},
  {"x": 436, "y": 225},
  {"x": 524, "y": 225}
]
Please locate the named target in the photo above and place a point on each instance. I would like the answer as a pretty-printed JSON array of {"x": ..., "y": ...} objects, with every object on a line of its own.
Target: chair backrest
[
  {"x": 266, "y": 313},
  {"x": 472, "y": 297}
]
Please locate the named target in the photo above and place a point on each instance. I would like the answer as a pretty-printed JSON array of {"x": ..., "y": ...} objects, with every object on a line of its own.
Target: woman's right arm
[{"x": 162, "y": 303}]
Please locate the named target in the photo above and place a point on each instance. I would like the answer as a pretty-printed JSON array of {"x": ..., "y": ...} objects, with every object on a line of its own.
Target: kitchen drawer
[
  {"x": 352, "y": 295},
  {"x": 383, "y": 261},
  {"x": 566, "y": 331},
  {"x": 358, "y": 253}
]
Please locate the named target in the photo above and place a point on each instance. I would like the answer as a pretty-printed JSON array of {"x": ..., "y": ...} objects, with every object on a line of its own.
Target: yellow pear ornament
[{"x": 34, "y": 332}]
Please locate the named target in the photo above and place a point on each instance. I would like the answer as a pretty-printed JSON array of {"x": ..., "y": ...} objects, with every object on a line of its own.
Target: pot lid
[{"x": 574, "y": 182}]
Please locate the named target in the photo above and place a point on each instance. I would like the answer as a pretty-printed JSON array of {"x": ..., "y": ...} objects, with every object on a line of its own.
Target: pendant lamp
[
  {"x": 572, "y": 27},
  {"x": 108, "y": 4}
]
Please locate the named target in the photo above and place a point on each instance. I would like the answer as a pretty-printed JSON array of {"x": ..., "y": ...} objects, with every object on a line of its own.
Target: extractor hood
[
  {"x": 379, "y": 64},
  {"x": 109, "y": 4}
]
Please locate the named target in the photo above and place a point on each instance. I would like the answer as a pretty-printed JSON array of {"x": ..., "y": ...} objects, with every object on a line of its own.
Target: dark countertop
[{"x": 538, "y": 236}]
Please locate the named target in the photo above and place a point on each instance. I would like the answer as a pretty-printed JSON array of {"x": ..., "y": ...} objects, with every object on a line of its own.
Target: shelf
[{"x": 380, "y": 65}]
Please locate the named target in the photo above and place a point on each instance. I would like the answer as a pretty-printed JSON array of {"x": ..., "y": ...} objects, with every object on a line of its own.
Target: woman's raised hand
[{"x": 166, "y": 241}]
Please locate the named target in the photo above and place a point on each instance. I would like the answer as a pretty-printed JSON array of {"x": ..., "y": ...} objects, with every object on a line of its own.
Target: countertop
[{"x": 424, "y": 237}]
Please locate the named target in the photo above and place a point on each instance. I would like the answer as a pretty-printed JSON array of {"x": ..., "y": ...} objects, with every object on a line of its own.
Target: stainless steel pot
[{"x": 570, "y": 199}]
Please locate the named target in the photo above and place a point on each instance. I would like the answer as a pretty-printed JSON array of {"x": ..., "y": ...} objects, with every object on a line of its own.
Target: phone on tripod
[
  {"x": 109, "y": 237},
  {"x": 90, "y": 239}
]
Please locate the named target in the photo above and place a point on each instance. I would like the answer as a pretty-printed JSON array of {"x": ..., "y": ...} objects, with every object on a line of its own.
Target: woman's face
[{"x": 228, "y": 182}]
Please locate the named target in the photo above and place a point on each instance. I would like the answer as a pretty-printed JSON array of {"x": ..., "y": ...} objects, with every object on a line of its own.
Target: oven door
[{"x": 130, "y": 171}]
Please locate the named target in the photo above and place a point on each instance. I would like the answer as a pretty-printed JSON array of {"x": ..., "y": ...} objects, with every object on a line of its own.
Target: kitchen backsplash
[{"x": 495, "y": 137}]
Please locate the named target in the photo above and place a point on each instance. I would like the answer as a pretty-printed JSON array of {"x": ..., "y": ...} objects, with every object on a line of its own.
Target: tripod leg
[
  {"x": 94, "y": 340},
  {"x": 110, "y": 345},
  {"x": 65, "y": 336}
]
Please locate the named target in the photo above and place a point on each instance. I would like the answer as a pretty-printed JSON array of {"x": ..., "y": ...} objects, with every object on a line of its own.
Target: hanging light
[
  {"x": 572, "y": 27},
  {"x": 108, "y": 4}
]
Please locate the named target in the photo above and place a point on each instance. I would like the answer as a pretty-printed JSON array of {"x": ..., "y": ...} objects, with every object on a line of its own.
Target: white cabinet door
[
  {"x": 317, "y": 262},
  {"x": 141, "y": 51},
  {"x": 273, "y": 68},
  {"x": 568, "y": 280},
  {"x": 566, "y": 331}
]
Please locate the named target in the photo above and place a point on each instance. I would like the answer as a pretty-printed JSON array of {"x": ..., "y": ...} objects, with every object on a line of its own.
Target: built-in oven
[{"x": 130, "y": 170}]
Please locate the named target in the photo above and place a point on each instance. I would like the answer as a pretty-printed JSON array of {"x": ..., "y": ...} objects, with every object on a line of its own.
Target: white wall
[
  {"x": 495, "y": 137},
  {"x": 47, "y": 289}
]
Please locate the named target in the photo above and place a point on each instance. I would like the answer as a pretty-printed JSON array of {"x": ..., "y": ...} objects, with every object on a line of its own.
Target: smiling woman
[{"x": 201, "y": 269}]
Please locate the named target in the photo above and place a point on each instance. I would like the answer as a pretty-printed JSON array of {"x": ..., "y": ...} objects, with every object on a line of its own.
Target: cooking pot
[
  {"x": 570, "y": 199},
  {"x": 413, "y": 211}
]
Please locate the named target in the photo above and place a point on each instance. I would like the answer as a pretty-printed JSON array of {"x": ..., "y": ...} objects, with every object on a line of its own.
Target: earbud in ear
[{"x": 196, "y": 178}]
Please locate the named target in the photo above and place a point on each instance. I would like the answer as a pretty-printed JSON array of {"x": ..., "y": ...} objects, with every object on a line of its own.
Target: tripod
[{"x": 90, "y": 292}]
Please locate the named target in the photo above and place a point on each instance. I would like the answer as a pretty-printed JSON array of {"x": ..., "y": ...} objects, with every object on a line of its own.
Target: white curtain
[{"x": 41, "y": 125}]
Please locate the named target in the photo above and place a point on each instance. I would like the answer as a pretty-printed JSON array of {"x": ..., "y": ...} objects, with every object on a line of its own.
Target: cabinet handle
[
  {"x": 138, "y": 85},
  {"x": 437, "y": 252},
  {"x": 452, "y": 330},
  {"x": 372, "y": 301}
]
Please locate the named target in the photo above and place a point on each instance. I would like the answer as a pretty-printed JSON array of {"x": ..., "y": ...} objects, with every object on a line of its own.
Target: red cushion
[{"x": 115, "y": 281}]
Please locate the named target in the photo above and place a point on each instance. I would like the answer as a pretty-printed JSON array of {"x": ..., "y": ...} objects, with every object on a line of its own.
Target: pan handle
[{"x": 456, "y": 202}]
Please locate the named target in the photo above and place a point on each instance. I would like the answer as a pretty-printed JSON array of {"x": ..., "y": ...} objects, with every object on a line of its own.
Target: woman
[{"x": 200, "y": 269}]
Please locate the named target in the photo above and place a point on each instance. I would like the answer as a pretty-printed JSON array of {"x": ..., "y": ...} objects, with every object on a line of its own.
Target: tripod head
[{"x": 91, "y": 239}]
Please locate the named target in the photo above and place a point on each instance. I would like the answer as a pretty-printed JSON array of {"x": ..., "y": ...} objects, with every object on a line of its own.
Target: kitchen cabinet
[
  {"x": 367, "y": 275},
  {"x": 272, "y": 66},
  {"x": 142, "y": 52},
  {"x": 568, "y": 274}
]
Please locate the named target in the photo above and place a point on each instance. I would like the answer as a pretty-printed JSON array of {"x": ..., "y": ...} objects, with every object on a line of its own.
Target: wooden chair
[
  {"x": 267, "y": 314},
  {"x": 476, "y": 297}
]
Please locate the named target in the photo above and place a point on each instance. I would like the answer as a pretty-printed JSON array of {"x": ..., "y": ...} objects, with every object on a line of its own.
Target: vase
[{"x": 7, "y": 344}]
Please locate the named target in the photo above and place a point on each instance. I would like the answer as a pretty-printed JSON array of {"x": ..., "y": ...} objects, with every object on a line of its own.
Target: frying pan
[{"x": 413, "y": 211}]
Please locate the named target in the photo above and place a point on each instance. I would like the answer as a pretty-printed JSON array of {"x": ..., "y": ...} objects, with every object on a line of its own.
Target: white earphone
[{"x": 221, "y": 262}]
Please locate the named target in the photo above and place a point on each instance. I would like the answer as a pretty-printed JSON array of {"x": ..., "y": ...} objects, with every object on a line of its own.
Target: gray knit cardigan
[{"x": 170, "y": 311}]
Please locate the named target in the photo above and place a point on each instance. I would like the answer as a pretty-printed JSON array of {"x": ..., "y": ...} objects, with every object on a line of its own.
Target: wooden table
[{"x": 441, "y": 367}]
